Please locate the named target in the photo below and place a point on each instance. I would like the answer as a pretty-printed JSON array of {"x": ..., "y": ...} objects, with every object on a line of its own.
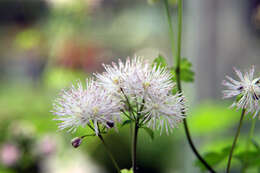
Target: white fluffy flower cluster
[
  {"x": 91, "y": 106},
  {"x": 247, "y": 89},
  {"x": 133, "y": 88}
]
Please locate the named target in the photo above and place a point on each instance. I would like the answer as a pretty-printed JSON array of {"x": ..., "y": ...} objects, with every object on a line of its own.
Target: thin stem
[
  {"x": 168, "y": 14},
  {"x": 179, "y": 43},
  {"x": 131, "y": 110},
  {"x": 178, "y": 72},
  {"x": 106, "y": 147},
  {"x": 235, "y": 140},
  {"x": 127, "y": 115},
  {"x": 87, "y": 135},
  {"x": 91, "y": 127},
  {"x": 110, "y": 154},
  {"x": 134, "y": 146},
  {"x": 250, "y": 136},
  {"x": 195, "y": 150}
]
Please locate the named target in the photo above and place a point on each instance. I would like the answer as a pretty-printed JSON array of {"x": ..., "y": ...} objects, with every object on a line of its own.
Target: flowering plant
[
  {"x": 136, "y": 89},
  {"x": 146, "y": 95}
]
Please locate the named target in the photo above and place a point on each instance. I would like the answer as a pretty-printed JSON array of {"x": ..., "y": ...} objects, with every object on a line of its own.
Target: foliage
[
  {"x": 213, "y": 158},
  {"x": 126, "y": 171},
  {"x": 126, "y": 122},
  {"x": 211, "y": 117},
  {"x": 160, "y": 61},
  {"x": 149, "y": 132},
  {"x": 187, "y": 75},
  {"x": 57, "y": 78},
  {"x": 250, "y": 158}
]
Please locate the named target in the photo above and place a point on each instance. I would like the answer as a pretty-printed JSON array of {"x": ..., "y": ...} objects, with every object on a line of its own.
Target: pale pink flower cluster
[
  {"x": 80, "y": 107},
  {"x": 150, "y": 88},
  {"x": 247, "y": 89},
  {"x": 147, "y": 89},
  {"x": 9, "y": 154}
]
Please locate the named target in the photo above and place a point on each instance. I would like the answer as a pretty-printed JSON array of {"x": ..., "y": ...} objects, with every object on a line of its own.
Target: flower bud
[
  {"x": 76, "y": 142},
  {"x": 110, "y": 124}
]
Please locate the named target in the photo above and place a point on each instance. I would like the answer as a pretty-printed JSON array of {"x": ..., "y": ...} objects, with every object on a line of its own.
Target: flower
[
  {"x": 148, "y": 88},
  {"x": 164, "y": 111},
  {"x": 136, "y": 78},
  {"x": 47, "y": 145},
  {"x": 247, "y": 88},
  {"x": 9, "y": 154},
  {"x": 113, "y": 76},
  {"x": 80, "y": 107}
]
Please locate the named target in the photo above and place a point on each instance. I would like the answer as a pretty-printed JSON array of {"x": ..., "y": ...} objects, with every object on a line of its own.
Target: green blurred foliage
[
  {"x": 211, "y": 118},
  {"x": 60, "y": 77},
  {"x": 126, "y": 171},
  {"x": 213, "y": 158},
  {"x": 187, "y": 75},
  {"x": 28, "y": 39},
  {"x": 171, "y": 2},
  {"x": 149, "y": 131},
  {"x": 160, "y": 61}
]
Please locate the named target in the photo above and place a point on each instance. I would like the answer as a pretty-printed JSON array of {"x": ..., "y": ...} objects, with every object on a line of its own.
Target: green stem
[
  {"x": 250, "y": 136},
  {"x": 106, "y": 147},
  {"x": 170, "y": 26},
  {"x": 178, "y": 72},
  {"x": 109, "y": 153},
  {"x": 193, "y": 148},
  {"x": 235, "y": 140},
  {"x": 134, "y": 146},
  {"x": 179, "y": 43}
]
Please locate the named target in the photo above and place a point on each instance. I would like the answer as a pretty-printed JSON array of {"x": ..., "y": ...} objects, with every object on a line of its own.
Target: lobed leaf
[
  {"x": 159, "y": 62},
  {"x": 149, "y": 132},
  {"x": 187, "y": 75},
  {"x": 126, "y": 122},
  {"x": 213, "y": 158}
]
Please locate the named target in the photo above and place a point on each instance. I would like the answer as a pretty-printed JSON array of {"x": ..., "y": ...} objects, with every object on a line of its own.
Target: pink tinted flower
[
  {"x": 80, "y": 106},
  {"x": 247, "y": 88},
  {"x": 149, "y": 87},
  {"x": 9, "y": 154},
  {"x": 47, "y": 145}
]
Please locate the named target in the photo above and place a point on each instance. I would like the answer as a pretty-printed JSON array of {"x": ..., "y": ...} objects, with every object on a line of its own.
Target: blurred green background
[{"x": 47, "y": 45}]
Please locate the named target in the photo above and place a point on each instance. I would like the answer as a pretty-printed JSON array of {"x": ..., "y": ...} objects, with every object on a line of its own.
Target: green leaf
[
  {"x": 126, "y": 171},
  {"x": 251, "y": 158},
  {"x": 149, "y": 132},
  {"x": 126, "y": 122},
  {"x": 213, "y": 158},
  {"x": 187, "y": 75},
  {"x": 256, "y": 144},
  {"x": 160, "y": 62}
]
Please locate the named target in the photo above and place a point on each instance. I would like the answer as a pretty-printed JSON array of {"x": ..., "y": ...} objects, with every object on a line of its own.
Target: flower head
[
  {"x": 149, "y": 87},
  {"x": 164, "y": 111},
  {"x": 9, "y": 154},
  {"x": 136, "y": 77},
  {"x": 247, "y": 88},
  {"x": 80, "y": 107}
]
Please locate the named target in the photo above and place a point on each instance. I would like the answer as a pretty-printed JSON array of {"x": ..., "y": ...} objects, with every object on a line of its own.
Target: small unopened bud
[
  {"x": 110, "y": 124},
  {"x": 76, "y": 142}
]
